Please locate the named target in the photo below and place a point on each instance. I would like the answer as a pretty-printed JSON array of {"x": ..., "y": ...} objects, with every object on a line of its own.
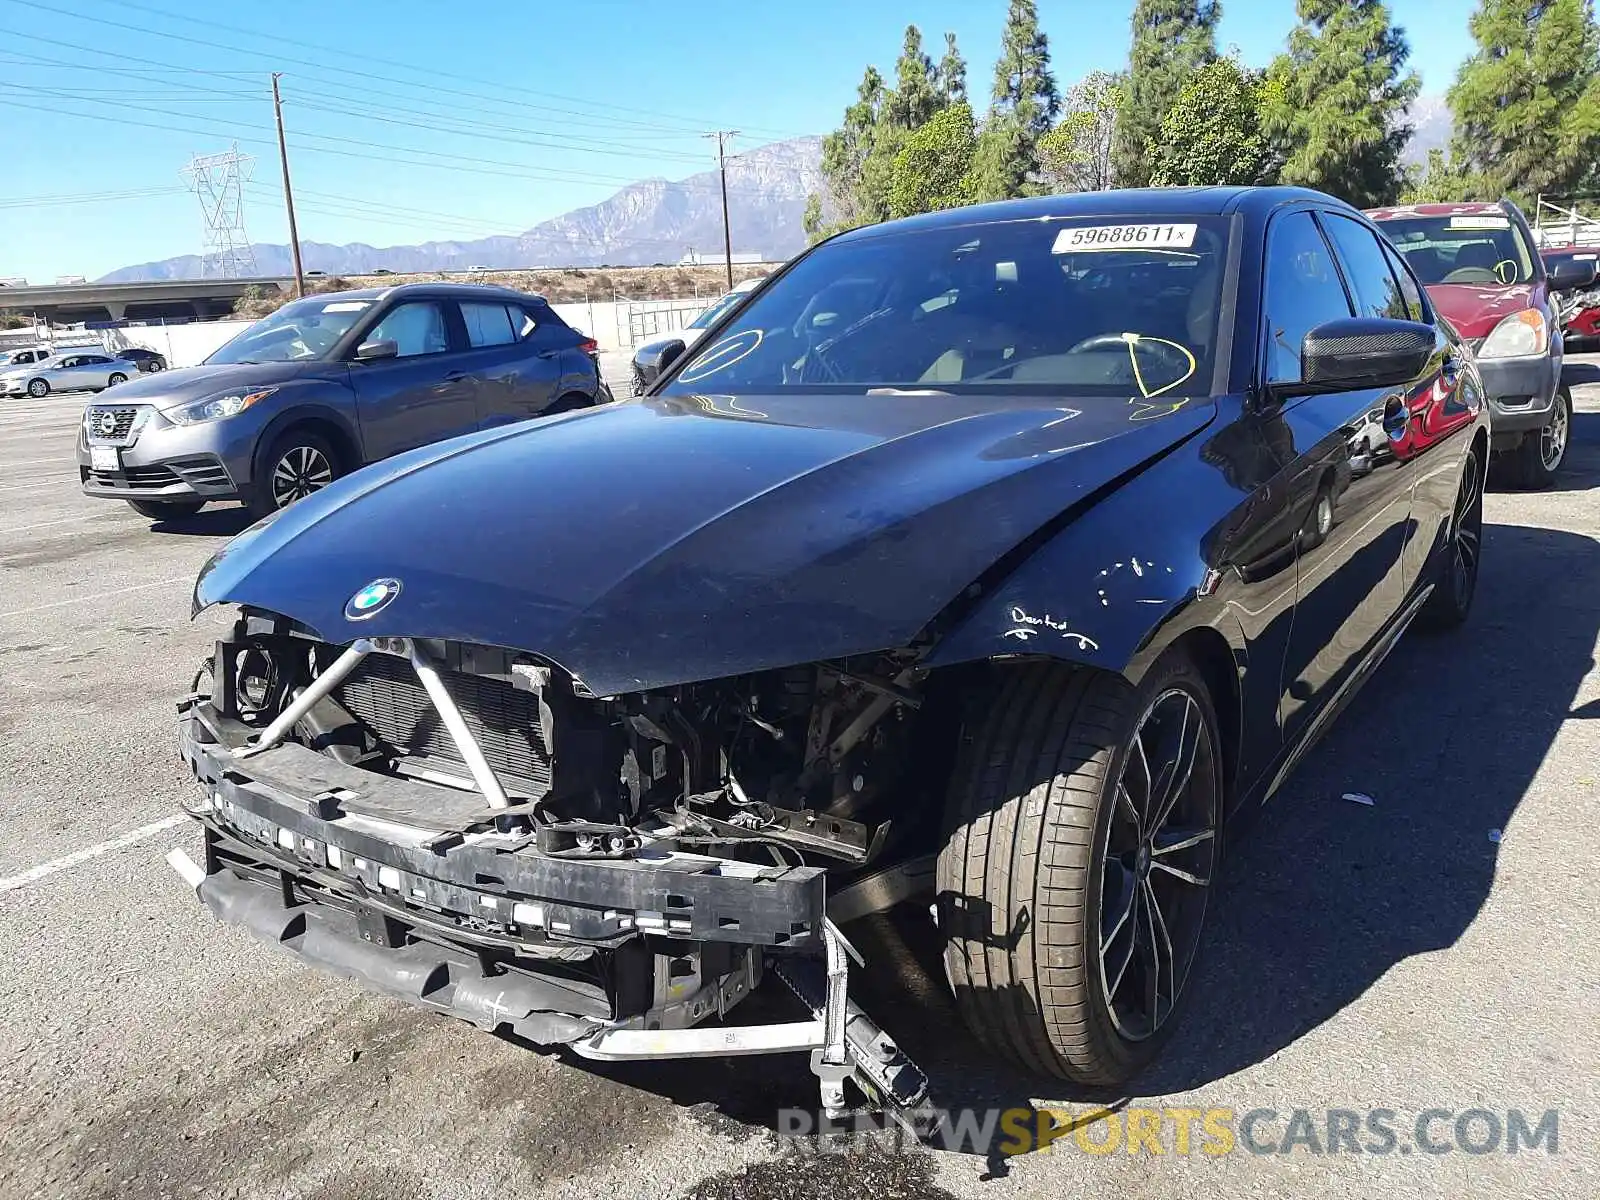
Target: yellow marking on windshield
[{"x": 1132, "y": 340}]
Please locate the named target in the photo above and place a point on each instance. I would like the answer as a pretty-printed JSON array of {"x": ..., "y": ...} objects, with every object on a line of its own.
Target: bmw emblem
[{"x": 372, "y": 599}]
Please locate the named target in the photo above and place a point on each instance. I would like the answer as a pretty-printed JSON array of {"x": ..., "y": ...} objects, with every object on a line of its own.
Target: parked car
[
  {"x": 328, "y": 383},
  {"x": 146, "y": 360},
  {"x": 1483, "y": 273},
  {"x": 24, "y": 357},
  {"x": 691, "y": 333},
  {"x": 1580, "y": 308},
  {"x": 68, "y": 371},
  {"x": 610, "y": 720}
]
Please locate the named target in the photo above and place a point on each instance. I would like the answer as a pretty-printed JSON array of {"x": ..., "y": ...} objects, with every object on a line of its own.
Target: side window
[
  {"x": 488, "y": 324},
  {"x": 416, "y": 328},
  {"x": 1409, "y": 291},
  {"x": 1377, "y": 293},
  {"x": 1302, "y": 291}
]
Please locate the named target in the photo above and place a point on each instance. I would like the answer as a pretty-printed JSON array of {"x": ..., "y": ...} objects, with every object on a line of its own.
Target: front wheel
[
  {"x": 38, "y": 388},
  {"x": 166, "y": 510},
  {"x": 1539, "y": 456},
  {"x": 299, "y": 463},
  {"x": 115, "y": 378},
  {"x": 1082, "y": 840}
]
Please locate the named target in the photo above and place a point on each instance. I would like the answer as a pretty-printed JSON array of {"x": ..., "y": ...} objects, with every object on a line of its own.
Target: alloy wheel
[
  {"x": 1158, "y": 858},
  {"x": 38, "y": 388},
  {"x": 301, "y": 471},
  {"x": 1553, "y": 437},
  {"x": 1466, "y": 533}
]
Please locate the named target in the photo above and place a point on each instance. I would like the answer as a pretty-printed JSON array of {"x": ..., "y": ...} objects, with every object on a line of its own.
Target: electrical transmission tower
[{"x": 218, "y": 180}]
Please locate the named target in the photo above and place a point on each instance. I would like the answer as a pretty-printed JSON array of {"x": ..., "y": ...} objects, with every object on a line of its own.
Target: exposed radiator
[{"x": 384, "y": 693}]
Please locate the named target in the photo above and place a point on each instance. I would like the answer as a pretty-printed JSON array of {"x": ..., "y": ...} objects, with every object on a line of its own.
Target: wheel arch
[{"x": 317, "y": 419}]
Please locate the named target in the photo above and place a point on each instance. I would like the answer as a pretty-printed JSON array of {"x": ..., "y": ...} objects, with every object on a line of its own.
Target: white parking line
[
  {"x": 132, "y": 837},
  {"x": 42, "y": 481},
  {"x": 96, "y": 595},
  {"x": 47, "y": 524}
]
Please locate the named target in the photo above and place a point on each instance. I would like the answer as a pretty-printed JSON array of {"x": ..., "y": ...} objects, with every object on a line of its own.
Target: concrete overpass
[{"x": 66, "y": 304}]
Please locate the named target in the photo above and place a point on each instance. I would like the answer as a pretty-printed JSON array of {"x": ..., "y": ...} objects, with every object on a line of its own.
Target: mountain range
[{"x": 652, "y": 221}]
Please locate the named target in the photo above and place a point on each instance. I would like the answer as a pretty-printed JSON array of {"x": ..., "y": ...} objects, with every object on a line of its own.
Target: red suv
[{"x": 1485, "y": 276}]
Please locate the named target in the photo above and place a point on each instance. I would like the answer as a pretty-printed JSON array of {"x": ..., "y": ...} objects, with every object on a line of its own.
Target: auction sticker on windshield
[{"x": 1123, "y": 237}]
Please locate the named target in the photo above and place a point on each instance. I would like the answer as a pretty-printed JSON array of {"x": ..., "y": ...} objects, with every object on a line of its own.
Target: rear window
[
  {"x": 1118, "y": 306},
  {"x": 1462, "y": 248}
]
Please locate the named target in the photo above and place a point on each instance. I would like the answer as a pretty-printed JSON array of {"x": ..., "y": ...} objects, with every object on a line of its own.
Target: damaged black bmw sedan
[{"x": 994, "y": 560}]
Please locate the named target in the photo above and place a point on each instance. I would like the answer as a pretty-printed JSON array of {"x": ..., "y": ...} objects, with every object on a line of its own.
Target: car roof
[
  {"x": 1469, "y": 208},
  {"x": 1159, "y": 203},
  {"x": 454, "y": 291}
]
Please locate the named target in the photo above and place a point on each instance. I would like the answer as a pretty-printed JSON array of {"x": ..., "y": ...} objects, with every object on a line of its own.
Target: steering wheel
[
  {"x": 1471, "y": 275},
  {"x": 1169, "y": 353}
]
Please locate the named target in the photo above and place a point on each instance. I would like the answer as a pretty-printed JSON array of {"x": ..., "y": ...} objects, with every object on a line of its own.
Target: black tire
[
  {"x": 115, "y": 378},
  {"x": 302, "y": 453},
  {"x": 1456, "y": 582},
  {"x": 166, "y": 510},
  {"x": 1032, "y": 823},
  {"x": 1533, "y": 464},
  {"x": 155, "y": 364},
  {"x": 38, "y": 388}
]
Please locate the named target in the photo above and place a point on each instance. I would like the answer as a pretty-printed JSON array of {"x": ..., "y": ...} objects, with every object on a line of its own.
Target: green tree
[
  {"x": 1527, "y": 103},
  {"x": 1026, "y": 101},
  {"x": 1213, "y": 133},
  {"x": 953, "y": 72},
  {"x": 1340, "y": 97},
  {"x": 1445, "y": 179},
  {"x": 1075, "y": 156},
  {"x": 916, "y": 96},
  {"x": 845, "y": 154},
  {"x": 1172, "y": 39},
  {"x": 934, "y": 168}
]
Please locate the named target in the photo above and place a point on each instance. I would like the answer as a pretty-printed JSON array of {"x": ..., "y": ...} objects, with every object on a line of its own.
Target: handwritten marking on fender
[{"x": 1025, "y": 627}]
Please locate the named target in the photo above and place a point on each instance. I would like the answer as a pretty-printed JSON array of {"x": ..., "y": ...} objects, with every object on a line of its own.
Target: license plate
[{"x": 105, "y": 458}]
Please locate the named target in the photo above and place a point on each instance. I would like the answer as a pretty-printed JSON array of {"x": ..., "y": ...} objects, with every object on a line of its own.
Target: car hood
[
  {"x": 666, "y": 540},
  {"x": 1476, "y": 308},
  {"x": 168, "y": 389}
]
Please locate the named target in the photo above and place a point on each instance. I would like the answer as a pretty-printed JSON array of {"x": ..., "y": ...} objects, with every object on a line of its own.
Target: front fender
[{"x": 1114, "y": 588}]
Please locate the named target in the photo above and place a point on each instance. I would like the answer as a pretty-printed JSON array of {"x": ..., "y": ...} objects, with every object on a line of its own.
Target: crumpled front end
[{"x": 456, "y": 827}]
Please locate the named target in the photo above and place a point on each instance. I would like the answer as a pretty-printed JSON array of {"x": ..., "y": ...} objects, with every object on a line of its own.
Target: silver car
[{"x": 73, "y": 371}]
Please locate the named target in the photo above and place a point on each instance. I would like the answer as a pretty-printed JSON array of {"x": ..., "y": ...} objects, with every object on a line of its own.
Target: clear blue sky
[{"x": 543, "y": 106}]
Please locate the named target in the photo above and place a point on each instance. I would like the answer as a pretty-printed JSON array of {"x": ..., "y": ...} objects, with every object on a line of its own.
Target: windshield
[
  {"x": 1462, "y": 248},
  {"x": 711, "y": 315},
  {"x": 1097, "y": 306},
  {"x": 303, "y": 329}
]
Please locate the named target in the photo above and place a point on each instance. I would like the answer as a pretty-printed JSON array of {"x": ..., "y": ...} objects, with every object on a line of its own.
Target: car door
[
  {"x": 1345, "y": 488},
  {"x": 1441, "y": 417},
  {"x": 522, "y": 353},
  {"x": 426, "y": 391}
]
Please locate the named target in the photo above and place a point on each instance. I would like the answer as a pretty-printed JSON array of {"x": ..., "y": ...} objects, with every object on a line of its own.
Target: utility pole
[
  {"x": 288, "y": 193},
  {"x": 722, "y": 170}
]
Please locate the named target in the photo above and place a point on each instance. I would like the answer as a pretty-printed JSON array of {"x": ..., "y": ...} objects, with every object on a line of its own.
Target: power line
[
  {"x": 87, "y": 197},
  {"x": 484, "y": 166}
]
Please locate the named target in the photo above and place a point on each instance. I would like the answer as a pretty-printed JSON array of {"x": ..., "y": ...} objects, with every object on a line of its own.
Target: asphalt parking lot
[{"x": 1433, "y": 950}]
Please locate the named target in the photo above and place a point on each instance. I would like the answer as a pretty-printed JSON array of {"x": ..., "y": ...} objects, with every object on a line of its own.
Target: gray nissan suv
[{"x": 327, "y": 384}]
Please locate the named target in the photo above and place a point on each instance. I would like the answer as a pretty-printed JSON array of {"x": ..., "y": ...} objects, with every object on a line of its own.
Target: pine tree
[
  {"x": 1527, "y": 104},
  {"x": 1171, "y": 40},
  {"x": 1026, "y": 101},
  {"x": 1340, "y": 98},
  {"x": 916, "y": 95},
  {"x": 953, "y": 72},
  {"x": 845, "y": 153}
]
